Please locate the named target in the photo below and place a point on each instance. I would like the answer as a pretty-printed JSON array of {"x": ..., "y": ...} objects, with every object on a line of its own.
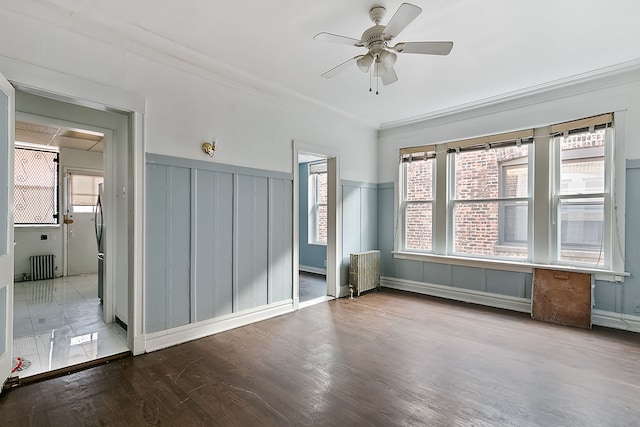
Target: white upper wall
[{"x": 187, "y": 105}]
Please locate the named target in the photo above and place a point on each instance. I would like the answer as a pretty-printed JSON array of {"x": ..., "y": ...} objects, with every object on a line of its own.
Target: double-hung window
[
  {"x": 418, "y": 171},
  {"x": 318, "y": 203},
  {"x": 490, "y": 196},
  {"x": 582, "y": 202}
]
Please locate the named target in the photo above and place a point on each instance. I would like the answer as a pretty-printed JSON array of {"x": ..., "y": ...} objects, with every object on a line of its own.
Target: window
[
  {"x": 36, "y": 187},
  {"x": 480, "y": 198},
  {"x": 580, "y": 195},
  {"x": 84, "y": 192},
  {"x": 418, "y": 168},
  {"x": 490, "y": 199},
  {"x": 318, "y": 203}
]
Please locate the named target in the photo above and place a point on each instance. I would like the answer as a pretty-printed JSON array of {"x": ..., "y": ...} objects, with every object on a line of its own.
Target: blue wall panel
[
  {"x": 468, "y": 278},
  {"x": 218, "y": 240},
  {"x": 167, "y": 296},
  {"x": 251, "y": 257},
  {"x": 213, "y": 244},
  {"x": 438, "y": 274},
  {"x": 3, "y": 320},
  {"x": 507, "y": 283},
  {"x": 368, "y": 218},
  {"x": 280, "y": 240},
  {"x": 386, "y": 228}
]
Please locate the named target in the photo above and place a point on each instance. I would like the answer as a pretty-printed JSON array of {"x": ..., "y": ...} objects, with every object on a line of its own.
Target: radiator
[
  {"x": 42, "y": 267},
  {"x": 364, "y": 271}
]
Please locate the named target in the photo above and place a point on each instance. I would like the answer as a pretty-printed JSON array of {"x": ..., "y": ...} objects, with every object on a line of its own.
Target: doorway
[
  {"x": 316, "y": 195},
  {"x": 63, "y": 321}
]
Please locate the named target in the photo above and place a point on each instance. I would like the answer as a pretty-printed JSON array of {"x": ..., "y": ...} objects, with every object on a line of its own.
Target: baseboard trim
[
  {"x": 609, "y": 319},
  {"x": 163, "y": 339},
  {"x": 314, "y": 270},
  {"x": 458, "y": 294}
]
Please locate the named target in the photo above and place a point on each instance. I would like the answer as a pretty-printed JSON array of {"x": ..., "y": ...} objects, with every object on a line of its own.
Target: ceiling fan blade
[
  {"x": 428, "y": 48},
  {"x": 389, "y": 76},
  {"x": 335, "y": 70},
  {"x": 405, "y": 14},
  {"x": 334, "y": 38}
]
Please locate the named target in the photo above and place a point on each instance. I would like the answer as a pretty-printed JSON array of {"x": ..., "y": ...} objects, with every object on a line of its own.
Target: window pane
[
  {"x": 84, "y": 191},
  {"x": 514, "y": 217},
  {"x": 418, "y": 228},
  {"x": 582, "y": 230},
  {"x": 582, "y": 168},
  {"x": 36, "y": 187},
  {"x": 321, "y": 224},
  {"x": 322, "y": 188},
  {"x": 477, "y": 228},
  {"x": 478, "y": 173},
  {"x": 420, "y": 180}
]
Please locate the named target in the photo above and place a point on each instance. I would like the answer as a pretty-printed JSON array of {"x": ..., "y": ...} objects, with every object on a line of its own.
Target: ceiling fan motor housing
[{"x": 373, "y": 39}]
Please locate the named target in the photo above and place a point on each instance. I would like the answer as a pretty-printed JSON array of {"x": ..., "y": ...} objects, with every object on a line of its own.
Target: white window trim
[{"x": 541, "y": 252}]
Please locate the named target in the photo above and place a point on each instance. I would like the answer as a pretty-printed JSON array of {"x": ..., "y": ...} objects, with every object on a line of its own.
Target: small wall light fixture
[{"x": 209, "y": 148}]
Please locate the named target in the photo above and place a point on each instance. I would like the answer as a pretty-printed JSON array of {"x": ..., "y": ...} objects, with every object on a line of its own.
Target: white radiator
[
  {"x": 42, "y": 267},
  {"x": 364, "y": 271}
]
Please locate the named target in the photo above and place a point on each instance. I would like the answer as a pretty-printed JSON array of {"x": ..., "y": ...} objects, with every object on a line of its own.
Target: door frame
[
  {"x": 77, "y": 91},
  {"x": 334, "y": 208}
]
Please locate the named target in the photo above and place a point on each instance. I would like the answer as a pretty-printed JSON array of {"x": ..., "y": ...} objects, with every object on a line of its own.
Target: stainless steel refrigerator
[{"x": 100, "y": 237}]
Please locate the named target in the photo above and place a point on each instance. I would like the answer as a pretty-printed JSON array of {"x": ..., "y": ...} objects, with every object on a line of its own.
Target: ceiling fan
[{"x": 381, "y": 56}]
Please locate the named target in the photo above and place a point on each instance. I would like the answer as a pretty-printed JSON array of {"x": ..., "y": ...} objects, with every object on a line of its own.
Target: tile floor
[{"x": 58, "y": 323}]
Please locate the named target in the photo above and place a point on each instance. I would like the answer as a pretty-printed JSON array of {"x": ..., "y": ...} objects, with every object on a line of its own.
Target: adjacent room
[{"x": 339, "y": 213}]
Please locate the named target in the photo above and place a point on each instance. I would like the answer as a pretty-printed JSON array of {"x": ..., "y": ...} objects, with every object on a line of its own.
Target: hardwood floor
[
  {"x": 311, "y": 286},
  {"x": 384, "y": 359}
]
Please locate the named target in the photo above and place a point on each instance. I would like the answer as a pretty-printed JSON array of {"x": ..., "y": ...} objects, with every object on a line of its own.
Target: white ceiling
[{"x": 501, "y": 46}]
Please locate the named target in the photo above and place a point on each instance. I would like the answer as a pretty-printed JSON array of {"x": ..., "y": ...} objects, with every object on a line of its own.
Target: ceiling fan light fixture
[
  {"x": 388, "y": 59},
  {"x": 379, "y": 69},
  {"x": 364, "y": 62}
]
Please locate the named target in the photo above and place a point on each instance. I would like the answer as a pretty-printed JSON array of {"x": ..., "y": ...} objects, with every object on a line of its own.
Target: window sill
[
  {"x": 316, "y": 244},
  {"x": 505, "y": 265}
]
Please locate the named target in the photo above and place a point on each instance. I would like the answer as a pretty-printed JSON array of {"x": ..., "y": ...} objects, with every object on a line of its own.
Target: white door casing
[{"x": 7, "y": 124}]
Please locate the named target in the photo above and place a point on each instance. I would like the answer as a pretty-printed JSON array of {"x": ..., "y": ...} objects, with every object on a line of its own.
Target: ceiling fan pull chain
[{"x": 370, "y": 73}]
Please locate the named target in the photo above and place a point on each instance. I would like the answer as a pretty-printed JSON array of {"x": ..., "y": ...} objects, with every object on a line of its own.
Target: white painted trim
[
  {"x": 609, "y": 319},
  {"x": 315, "y": 301},
  {"x": 193, "y": 331},
  {"x": 78, "y": 91},
  {"x": 466, "y": 295},
  {"x": 314, "y": 270}
]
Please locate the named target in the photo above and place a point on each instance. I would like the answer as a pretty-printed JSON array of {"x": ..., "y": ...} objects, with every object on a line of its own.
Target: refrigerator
[{"x": 100, "y": 238}]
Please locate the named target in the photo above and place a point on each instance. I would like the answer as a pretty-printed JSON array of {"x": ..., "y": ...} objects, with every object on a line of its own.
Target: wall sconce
[{"x": 209, "y": 148}]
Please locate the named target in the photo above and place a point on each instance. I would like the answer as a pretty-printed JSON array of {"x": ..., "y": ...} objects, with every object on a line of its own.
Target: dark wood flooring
[{"x": 384, "y": 359}]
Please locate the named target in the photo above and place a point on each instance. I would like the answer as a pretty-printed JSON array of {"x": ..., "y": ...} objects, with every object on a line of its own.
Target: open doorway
[
  {"x": 61, "y": 317},
  {"x": 312, "y": 246},
  {"x": 316, "y": 234}
]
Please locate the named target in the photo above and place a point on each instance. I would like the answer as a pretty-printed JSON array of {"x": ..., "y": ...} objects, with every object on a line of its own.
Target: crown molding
[{"x": 623, "y": 73}]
